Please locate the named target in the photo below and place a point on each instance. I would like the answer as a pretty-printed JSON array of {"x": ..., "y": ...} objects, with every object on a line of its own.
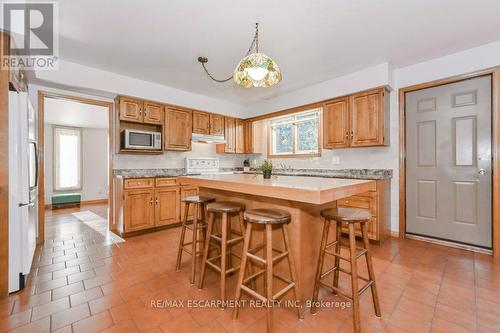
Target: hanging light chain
[{"x": 253, "y": 46}]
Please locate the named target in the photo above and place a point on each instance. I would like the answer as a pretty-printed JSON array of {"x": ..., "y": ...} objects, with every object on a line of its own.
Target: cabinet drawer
[
  {"x": 367, "y": 200},
  {"x": 139, "y": 183},
  {"x": 160, "y": 182}
]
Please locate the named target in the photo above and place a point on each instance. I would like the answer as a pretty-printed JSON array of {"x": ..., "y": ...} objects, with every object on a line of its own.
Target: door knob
[{"x": 481, "y": 172}]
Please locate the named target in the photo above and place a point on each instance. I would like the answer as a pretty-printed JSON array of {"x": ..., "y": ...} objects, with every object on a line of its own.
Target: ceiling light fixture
[{"x": 254, "y": 70}]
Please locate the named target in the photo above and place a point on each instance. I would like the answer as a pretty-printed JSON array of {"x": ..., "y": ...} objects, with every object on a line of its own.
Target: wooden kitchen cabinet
[
  {"x": 167, "y": 202},
  {"x": 229, "y": 135},
  {"x": 147, "y": 204},
  {"x": 378, "y": 202},
  {"x": 239, "y": 146},
  {"x": 368, "y": 119},
  {"x": 242, "y": 137},
  {"x": 187, "y": 191},
  {"x": 139, "y": 210},
  {"x": 336, "y": 131},
  {"x": 253, "y": 136},
  {"x": 358, "y": 120},
  {"x": 130, "y": 109},
  {"x": 178, "y": 128},
  {"x": 201, "y": 122},
  {"x": 216, "y": 124},
  {"x": 153, "y": 113}
]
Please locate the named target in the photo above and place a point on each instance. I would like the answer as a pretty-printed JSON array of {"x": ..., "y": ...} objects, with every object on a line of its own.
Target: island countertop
[{"x": 313, "y": 190}]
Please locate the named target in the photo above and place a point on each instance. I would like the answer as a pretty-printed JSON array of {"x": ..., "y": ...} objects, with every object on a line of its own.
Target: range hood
[{"x": 205, "y": 138}]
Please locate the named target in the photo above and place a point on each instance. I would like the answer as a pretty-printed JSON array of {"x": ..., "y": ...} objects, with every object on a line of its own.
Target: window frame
[
  {"x": 55, "y": 159},
  {"x": 270, "y": 143}
]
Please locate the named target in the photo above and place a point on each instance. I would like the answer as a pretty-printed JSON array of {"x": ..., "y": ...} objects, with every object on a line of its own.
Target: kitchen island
[{"x": 303, "y": 197}]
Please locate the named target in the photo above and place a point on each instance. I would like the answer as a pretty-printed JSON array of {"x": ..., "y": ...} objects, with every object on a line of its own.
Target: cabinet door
[
  {"x": 178, "y": 129},
  {"x": 187, "y": 191},
  {"x": 216, "y": 124},
  {"x": 166, "y": 205},
  {"x": 239, "y": 136},
  {"x": 201, "y": 122},
  {"x": 139, "y": 211},
  {"x": 153, "y": 113},
  {"x": 131, "y": 110},
  {"x": 248, "y": 128},
  {"x": 230, "y": 135},
  {"x": 336, "y": 123},
  {"x": 367, "y": 119}
]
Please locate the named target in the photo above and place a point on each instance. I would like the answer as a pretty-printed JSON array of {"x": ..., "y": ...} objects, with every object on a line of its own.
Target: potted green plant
[{"x": 267, "y": 168}]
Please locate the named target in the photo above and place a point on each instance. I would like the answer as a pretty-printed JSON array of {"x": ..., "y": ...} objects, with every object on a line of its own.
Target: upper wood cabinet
[
  {"x": 178, "y": 128},
  {"x": 239, "y": 146},
  {"x": 336, "y": 123},
  {"x": 359, "y": 120},
  {"x": 201, "y": 122},
  {"x": 139, "y": 211},
  {"x": 253, "y": 137},
  {"x": 368, "y": 118},
  {"x": 230, "y": 135},
  {"x": 153, "y": 113},
  {"x": 130, "y": 109},
  {"x": 216, "y": 124}
]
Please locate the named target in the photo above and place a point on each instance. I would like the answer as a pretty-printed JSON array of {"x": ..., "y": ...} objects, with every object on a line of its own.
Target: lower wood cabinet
[
  {"x": 139, "y": 212},
  {"x": 378, "y": 202},
  {"x": 166, "y": 205},
  {"x": 149, "y": 203}
]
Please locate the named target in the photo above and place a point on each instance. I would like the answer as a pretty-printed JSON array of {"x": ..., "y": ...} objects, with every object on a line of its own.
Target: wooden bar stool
[
  {"x": 197, "y": 227},
  {"x": 349, "y": 216},
  {"x": 271, "y": 219},
  {"x": 223, "y": 241}
]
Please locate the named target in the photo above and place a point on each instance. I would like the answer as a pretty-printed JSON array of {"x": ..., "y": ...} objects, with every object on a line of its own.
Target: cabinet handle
[
  {"x": 352, "y": 135},
  {"x": 347, "y": 135},
  {"x": 157, "y": 201},
  {"x": 151, "y": 201}
]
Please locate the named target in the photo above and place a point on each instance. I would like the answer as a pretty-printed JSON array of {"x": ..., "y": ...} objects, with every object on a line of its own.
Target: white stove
[{"x": 204, "y": 165}]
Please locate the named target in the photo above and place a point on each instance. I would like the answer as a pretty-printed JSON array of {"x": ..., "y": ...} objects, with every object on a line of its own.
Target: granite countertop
[
  {"x": 339, "y": 173},
  {"x": 150, "y": 173},
  {"x": 325, "y": 173}
]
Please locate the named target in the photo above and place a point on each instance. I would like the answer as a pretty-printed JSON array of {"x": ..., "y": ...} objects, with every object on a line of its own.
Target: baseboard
[{"x": 94, "y": 202}]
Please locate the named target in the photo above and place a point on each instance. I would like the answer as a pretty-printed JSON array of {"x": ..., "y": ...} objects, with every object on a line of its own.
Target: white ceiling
[
  {"x": 312, "y": 41},
  {"x": 69, "y": 113}
]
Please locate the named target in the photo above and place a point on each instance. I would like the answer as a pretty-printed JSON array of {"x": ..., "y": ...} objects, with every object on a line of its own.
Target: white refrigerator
[{"x": 23, "y": 188}]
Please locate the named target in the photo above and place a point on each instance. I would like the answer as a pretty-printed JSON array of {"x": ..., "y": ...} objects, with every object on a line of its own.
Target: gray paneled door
[{"x": 448, "y": 161}]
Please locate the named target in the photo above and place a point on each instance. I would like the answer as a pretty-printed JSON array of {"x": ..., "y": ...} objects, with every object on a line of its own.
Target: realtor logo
[{"x": 33, "y": 27}]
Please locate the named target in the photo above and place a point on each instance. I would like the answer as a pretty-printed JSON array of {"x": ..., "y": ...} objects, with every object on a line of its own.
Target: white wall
[
  {"x": 173, "y": 159},
  {"x": 94, "y": 163}
]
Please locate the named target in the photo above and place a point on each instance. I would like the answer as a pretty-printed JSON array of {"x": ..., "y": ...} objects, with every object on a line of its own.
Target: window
[
  {"x": 67, "y": 159},
  {"x": 294, "y": 135}
]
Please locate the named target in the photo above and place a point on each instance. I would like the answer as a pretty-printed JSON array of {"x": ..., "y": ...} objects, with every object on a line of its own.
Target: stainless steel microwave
[{"x": 135, "y": 139}]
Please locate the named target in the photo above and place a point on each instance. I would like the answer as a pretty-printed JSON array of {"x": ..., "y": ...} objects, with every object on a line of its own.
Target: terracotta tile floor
[{"x": 82, "y": 282}]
